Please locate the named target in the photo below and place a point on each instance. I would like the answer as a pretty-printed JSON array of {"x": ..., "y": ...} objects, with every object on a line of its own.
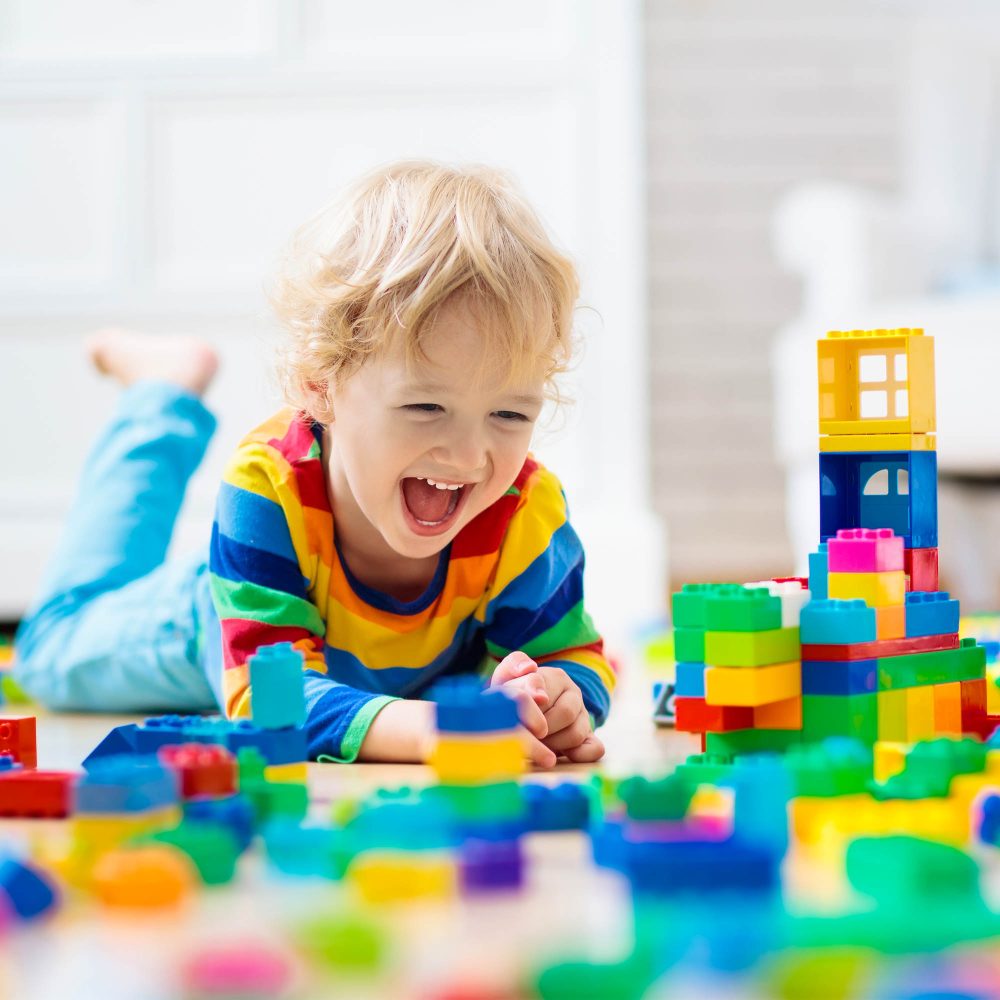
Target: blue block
[
  {"x": 464, "y": 707},
  {"x": 30, "y": 892},
  {"x": 162, "y": 730},
  {"x": 837, "y": 622},
  {"x": 234, "y": 812},
  {"x": 311, "y": 851},
  {"x": 672, "y": 868},
  {"x": 989, "y": 824},
  {"x": 992, "y": 650},
  {"x": 121, "y": 740},
  {"x": 557, "y": 807},
  {"x": 891, "y": 489},
  {"x": 125, "y": 785},
  {"x": 843, "y": 677},
  {"x": 276, "y": 746},
  {"x": 690, "y": 680},
  {"x": 277, "y": 687},
  {"x": 819, "y": 572},
  {"x": 930, "y": 613}
]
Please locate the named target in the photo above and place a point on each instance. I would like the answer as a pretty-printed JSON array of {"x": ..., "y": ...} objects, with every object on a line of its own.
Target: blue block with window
[{"x": 890, "y": 489}]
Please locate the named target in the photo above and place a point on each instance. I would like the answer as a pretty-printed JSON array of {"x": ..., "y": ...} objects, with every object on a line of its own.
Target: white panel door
[{"x": 152, "y": 166}]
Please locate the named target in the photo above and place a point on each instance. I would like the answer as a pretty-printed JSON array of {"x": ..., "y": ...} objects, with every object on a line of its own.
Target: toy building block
[
  {"x": 387, "y": 877},
  {"x": 689, "y": 644},
  {"x": 890, "y": 622},
  {"x": 892, "y": 489},
  {"x": 212, "y": 849},
  {"x": 751, "y": 649},
  {"x": 889, "y": 759},
  {"x": 18, "y": 739},
  {"x": 876, "y": 382},
  {"x": 477, "y": 760},
  {"x": 695, "y": 715},
  {"x": 819, "y": 570},
  {"x": 877, "y": 590},
  {"x": 785, "y": 714},
  {"x": 967, "y": 663},
  {"x": 740, "y": 609},
  {"x": 838, "y": 622},
  {"x": 278, "y": 746},
  {"x": 834, "y": 767},
  {"x": 865, "y": 550},
  {"x": 792, "y": 591},
  {"x": 921, "y": 567},
  {"x": 566, "y": 806},
  {"x": 690, "y": 682},
  {"x": 462, "y": 706},
  {"x": 277, "y": 690},
  {"x": 974, "y": 717},
  {"x": 892, "y": 719},
  {"x": 687, "y": 606},
  {"x": 741, "y": 687},
  {"x": 27, "y": 891},
  {"x": 839, "y": 677},
  {"x": 145, "y": 877},
  {"x": 36, "y": 794},
  {"x": 878, "y": 442},
  {"x": 948, "y": 709},
  {"x": 491, "y": 866},
  {"x": 117, "y": 785},
  {"x": 659, "y": 799},
  {"x": 920, "y": 713},
  {"x": 930, "y": 613},
  {"x": 855, "y": 716},
  {"x": 879, "y": 648},
  {"x": 202, "y": 769},
  {"x": 751, "y": 741},
  {"x": 120, "y": 740}
]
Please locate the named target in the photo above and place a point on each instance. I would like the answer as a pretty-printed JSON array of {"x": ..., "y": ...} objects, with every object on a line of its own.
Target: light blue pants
[{"x": 115, "y": 628}]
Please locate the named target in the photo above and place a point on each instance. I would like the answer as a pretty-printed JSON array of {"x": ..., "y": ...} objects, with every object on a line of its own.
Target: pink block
[{"x": 865, "y": 550}]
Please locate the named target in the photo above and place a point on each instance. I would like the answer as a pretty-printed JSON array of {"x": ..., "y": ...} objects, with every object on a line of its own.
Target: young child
[{"x": 389, "y": 522}]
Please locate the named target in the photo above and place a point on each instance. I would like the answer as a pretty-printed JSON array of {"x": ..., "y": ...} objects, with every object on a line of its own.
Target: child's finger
[
  {"x": 537, "y": 752},
  {"x": 587, "y": 752},
  {"x": 515, "y": 664},
  {"x": 563, "y": 711},
  {"x": 531, "y": 716},
  {"x": 530, "y": 684},
  {"x": 571, "y": 736}
]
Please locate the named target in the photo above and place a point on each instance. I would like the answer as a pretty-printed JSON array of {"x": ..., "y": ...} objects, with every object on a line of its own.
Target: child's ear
[{"x": 320, "y": 400}]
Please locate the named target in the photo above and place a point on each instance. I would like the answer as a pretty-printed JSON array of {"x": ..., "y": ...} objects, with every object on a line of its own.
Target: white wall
[{"x": 154, "y": 157}]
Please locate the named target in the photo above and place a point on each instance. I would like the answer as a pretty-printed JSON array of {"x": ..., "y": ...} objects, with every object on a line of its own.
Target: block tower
[{"x": 876, "y": 652}]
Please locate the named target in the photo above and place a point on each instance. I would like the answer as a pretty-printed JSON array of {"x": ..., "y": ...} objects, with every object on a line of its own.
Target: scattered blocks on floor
[{"x": 277, "y": 692}]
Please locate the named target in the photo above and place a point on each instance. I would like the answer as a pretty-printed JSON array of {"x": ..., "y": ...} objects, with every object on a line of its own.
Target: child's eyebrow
[{"x": 526, "y": 399}]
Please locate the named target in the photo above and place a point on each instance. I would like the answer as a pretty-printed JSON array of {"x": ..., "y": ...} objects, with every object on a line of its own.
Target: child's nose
[{"x": 463, "y": 452}]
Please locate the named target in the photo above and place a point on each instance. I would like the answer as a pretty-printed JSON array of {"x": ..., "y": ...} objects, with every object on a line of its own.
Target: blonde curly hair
[{"x": 374, "y": 268}]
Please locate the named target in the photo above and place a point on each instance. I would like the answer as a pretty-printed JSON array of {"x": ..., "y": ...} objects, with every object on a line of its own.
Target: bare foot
[{"x": 131, "y": 357}]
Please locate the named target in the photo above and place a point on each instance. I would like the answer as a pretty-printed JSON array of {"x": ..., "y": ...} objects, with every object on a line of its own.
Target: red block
[
  {"x": 880, "y": 647},
  {"x": 974, "y": 718},
  {"x": 203, "y": 768},
  {"x": 695, "y": 715},
  {"x": 921, "y": 568},
  {"x": 803, "y": 581},
  {"x": 36, "y": 794},
  {"x": 17, "y": 738}
]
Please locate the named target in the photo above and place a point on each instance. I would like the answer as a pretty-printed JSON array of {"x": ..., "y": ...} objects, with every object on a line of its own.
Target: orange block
[
  {"x": 784, "y": 714},
  {"x": 948, "y": 709},
  {"x": 890, "y": 622}
]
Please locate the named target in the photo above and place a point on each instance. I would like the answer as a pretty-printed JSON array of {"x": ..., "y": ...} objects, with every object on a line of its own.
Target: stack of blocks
[{"x": 880, "y": 655}]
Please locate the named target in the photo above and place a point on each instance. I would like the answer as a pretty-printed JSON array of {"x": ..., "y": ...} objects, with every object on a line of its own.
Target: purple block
[
  {"x": 491, "y": 866},
  {"x": 865, "y": 550}
]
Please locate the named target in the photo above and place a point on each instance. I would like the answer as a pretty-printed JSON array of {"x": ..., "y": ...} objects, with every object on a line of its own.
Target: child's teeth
[{"x": 440, "y": 486}]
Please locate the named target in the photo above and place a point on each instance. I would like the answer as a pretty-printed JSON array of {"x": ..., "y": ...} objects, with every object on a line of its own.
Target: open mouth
[{"x": 431, "y": 508}]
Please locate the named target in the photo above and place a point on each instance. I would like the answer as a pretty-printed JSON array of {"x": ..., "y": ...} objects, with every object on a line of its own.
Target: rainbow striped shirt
[{"x": 511, "y": 579}]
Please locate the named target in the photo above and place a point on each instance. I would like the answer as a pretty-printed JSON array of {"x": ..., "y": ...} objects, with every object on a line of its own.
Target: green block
[
  {"x": 833, "y": 767},
  {"x": 344, "y": 942},
  {"x": 687, "y": 606},
  {"x": 704, "y": 769},
  {"x": 276, "y": 799},
  {"x": 664, "y": 799},
  {"x": 825, "y": 715},
  {"x": 742, "y": 741},
  {"x": 628, "y": 980},
  {"x": 689, "y": 645},
  {"x": 930, "y": 765},
  {"x": 503, "y": 800},
  {"x": 210, "y": 846},
  {"x": 752, "y": 649},
  {"x": 741, "y": 609},
  {"x": 940, "y": 666}
]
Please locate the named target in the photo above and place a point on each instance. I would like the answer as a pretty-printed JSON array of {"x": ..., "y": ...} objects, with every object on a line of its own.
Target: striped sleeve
[
  {"x": 537, "y": 603},
  {"x": 260, "y": 565}
]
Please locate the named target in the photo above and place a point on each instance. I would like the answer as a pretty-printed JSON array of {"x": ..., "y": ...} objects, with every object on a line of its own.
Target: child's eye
[
  {"x": 510, "y": 415},
  {"x": 422, "y": 407}
]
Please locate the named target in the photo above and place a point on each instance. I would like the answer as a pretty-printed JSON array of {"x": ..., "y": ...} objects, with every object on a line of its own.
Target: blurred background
[{"x": 734, "y": 179}]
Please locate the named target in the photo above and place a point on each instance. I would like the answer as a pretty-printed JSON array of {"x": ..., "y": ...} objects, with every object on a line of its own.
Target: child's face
[{"x": 393, "y": 427}]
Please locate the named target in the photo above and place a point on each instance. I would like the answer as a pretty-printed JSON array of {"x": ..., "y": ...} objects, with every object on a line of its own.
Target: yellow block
[
  {"x": 948, "y": 709},
  {"x": 892, "y": 716},
  {"x": 785, "y": 714},
  {"x": 992, "y": 691},
  {"x": 890, "y": 622},
  {"x": 920, "y": 713},
  {"x": 100, "y": 832},
  {"x": 753, "y": 686},
  {"x": 877, "y": 590},
  {"x": 464, "y": 760},
  {"x": 886, "y": 374},
  {"x": 294, "y": 773},
  {"x": 890, "y": 759},
  {"x": 390, "y": 877},
  {"x": 878, "y": 442}
]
